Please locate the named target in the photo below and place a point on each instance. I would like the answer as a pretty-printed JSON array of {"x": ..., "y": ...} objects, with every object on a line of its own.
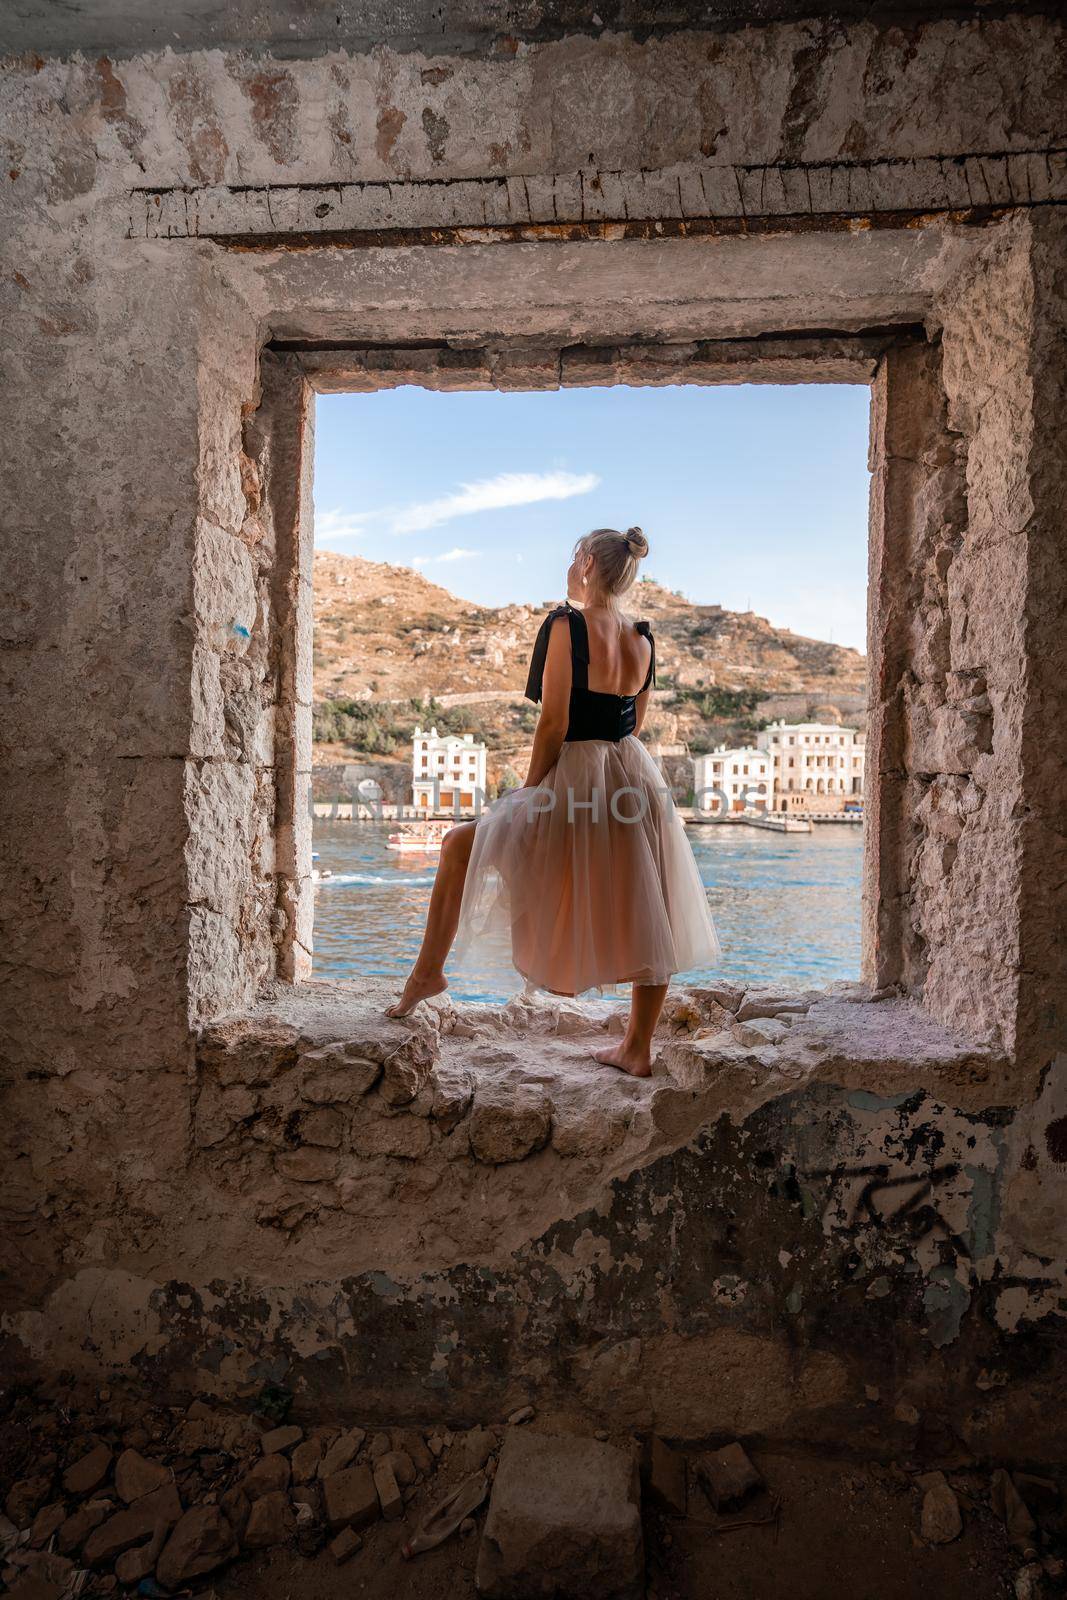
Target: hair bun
[{"x": 636, "y": 542}]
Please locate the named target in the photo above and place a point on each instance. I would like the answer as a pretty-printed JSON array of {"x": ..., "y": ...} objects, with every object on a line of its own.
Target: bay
[{"x": 786, "y": 906}]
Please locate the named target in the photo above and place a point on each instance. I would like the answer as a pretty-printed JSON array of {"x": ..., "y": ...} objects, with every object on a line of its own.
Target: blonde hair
[{"x": 615, "y": 556}]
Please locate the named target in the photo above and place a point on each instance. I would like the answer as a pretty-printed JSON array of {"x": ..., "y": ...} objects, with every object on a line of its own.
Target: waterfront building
[
  {"x": 818, "y": 766},
  {"x": 745, "y": 776},
  {"x": 447, "y": 771}
]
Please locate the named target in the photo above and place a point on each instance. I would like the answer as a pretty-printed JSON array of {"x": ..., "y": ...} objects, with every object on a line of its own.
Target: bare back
[{"x": 619, "y": 656}]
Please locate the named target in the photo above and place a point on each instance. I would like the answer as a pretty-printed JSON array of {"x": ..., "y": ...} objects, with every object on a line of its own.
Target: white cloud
[
  {"x": 337, "y": 524},
  {"x": 449, "y": 555},
  {"x": 493, "y": 494}
]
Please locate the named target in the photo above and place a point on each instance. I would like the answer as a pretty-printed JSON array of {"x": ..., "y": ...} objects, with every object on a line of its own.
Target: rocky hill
[{"x": 387, "y": 638}]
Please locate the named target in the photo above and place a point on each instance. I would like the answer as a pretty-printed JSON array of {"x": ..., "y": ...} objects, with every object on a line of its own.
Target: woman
[{"x": 587, "y": 866}]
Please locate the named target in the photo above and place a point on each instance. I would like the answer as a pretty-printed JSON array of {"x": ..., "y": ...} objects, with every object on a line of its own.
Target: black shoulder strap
[
  {"x": 579, "y": 651},
  {"x": 643, "y": 628}
]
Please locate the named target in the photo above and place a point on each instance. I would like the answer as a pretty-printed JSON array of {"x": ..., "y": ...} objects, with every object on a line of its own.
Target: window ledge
[{"x": 466, "y": 1131}]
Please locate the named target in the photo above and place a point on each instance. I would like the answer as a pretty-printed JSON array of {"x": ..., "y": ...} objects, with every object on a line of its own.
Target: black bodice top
[{"x": 592, "y": 715}]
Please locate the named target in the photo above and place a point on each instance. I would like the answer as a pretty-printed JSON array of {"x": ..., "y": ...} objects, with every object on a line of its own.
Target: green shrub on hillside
[{"x": 716, "y": 704}]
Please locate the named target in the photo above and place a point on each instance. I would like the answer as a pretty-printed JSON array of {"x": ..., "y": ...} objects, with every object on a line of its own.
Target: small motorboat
[
  {"x": 318, "y": 874},
  {"x": 422, "y": 835}
]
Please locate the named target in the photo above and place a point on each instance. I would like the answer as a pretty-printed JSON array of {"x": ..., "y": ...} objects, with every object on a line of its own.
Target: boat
[
  {"x": 776, "y": 823},
  {"x": 319, "y": 874},
  {"x": 424, "y": 835}
]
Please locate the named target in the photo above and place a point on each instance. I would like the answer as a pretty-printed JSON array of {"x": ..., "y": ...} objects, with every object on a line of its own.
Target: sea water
[{"x": 786, "y": 905}]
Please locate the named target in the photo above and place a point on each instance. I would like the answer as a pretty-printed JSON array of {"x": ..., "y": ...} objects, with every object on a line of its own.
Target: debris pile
[{"x": 110, "y": 1494}]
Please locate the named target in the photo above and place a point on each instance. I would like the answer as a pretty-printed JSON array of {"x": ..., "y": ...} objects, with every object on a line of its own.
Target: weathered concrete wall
[
  {"x": 164, "y": 217},
  {"x": 789, "y": 1233},
  {"x": 967, "y": 668},
  {"x": 997, "y": 814}
]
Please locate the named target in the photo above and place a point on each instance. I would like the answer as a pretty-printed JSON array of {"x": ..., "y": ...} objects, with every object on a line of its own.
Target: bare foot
[
  {"x": 416, "y": 989},
  {"x": 636, "y": 1062}
]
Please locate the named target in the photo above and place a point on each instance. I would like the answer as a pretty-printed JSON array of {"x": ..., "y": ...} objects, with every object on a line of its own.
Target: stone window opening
[{"x": 919, "y": 451}]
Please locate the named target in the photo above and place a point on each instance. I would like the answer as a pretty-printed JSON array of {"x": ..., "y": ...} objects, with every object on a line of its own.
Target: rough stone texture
[
  {"x": 811, "y": 197},
  {"x": 389, "y": 1497},
  {"x": 351, "y": 1498},
  {"x": 278, "y": 1440},
  {"x": 509, "y": 1126},
  {"x": 1004, "y": 376},
  {"x": 873, "y": 1215},
  {"x": 967, "y": 671},
  {"x": 201, "y": 1541},
  {"x": 134, "y": 1565},
  {"x": 135, "y": 1476},
  {"x": 941, "y": 1521},
  {"x": 564, "y": 1519},
  {"x": 132, "y": 1526},
  {"x": 269, "y": 1475},
  {"x": 729, "y": 1476},
  {"x": 270, "y": 1522},
  {"x": 89, "y": 1471}
]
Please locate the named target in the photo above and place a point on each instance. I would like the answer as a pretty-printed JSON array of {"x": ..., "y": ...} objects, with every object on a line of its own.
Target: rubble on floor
[{"x": 110, "y": 1493}]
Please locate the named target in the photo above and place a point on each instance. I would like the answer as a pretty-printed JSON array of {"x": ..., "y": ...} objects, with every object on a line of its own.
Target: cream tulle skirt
[{"x": 586, "y": 880}]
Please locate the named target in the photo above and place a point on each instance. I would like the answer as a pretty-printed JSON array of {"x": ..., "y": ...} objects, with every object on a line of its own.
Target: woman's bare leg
[
  {"x": 428, "y": 974},
  {"x": 633, "y": 1054}
]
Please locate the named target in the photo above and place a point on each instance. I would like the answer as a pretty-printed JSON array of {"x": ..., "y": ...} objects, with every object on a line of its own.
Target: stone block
[
  {"x": 135, "y": 1476},
  {"x": 89, "y": 1472},
  {"x": 236, "y": 1508},
  {"x": 201, "y": 1541},
  {"x": 405, "y": 1068},
  {"x": 347, "y": 1542},
  {"x": 341, "y": 1453},
  {"x": 334, "y": 1076},
  {"x": 271, "y": 1522},
  {"x": 278, "y": 1440},
  {"x": 350, "y": 1498},
  {"x": 25, "y": 1498},
  {"x": 941, "y": 1520},
  {"x": 564, "y": 1519},
  {"x": 47, "y": 1522},
  {"x": 508, "y": 1124},
  {"x": 770, "y": 1003},
  {"x": 400, "y": 1135},
  {"x": 305, "y": 1459},
  {"x": 451, "y": 1100},
  {"x": 268, "y": 1474},
  {"x": 132, "y": 1526},
  {"x": 307, "y": 1164},
  {"x": 728, "y": 1476},
  {"x": 323, "y": 1126},
  {"x": 389, "y": 1497},
  {"x": 134, "y": 1565},
  {"x": 80, "y": 1524}
]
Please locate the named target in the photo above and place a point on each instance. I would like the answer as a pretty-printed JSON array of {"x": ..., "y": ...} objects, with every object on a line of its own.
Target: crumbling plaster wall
[
  {"x": 157, "y": 699},
  {"x": 818, "y": 1223}
]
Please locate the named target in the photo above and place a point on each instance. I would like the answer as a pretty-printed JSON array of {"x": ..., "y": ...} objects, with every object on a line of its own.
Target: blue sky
[{"x": 750, "y": 497}]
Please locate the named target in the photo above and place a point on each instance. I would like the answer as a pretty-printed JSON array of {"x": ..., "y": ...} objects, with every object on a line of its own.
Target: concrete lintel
[{"x": 829, "y": 358}]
